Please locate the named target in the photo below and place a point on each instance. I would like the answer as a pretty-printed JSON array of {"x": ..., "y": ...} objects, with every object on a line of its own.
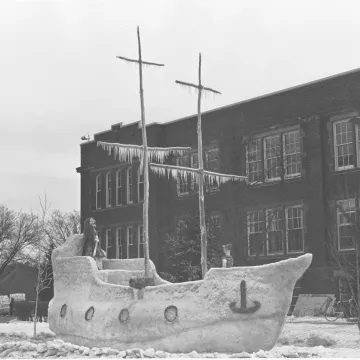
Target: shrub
[
  {"x": 23, "y": 310},
  {"x": 183, "y": 249},
  {"x": 168, "y": 277},
  {"x": 42, "y": 311}
]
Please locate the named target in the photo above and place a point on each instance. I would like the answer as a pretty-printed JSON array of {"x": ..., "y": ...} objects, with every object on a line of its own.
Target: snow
[
  {"x": 24, "y": 327},
  {"x": 301, "y": 337}
]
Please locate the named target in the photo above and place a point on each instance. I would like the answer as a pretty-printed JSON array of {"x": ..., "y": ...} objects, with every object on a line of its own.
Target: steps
[{"x": 296, "y": 293}]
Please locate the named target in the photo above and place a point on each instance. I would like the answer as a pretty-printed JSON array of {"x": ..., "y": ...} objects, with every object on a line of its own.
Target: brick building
[{"x": 300, "y": 148}]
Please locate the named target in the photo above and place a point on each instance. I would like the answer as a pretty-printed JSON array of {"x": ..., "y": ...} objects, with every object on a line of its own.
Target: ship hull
[{"x": 230, "y": 310}]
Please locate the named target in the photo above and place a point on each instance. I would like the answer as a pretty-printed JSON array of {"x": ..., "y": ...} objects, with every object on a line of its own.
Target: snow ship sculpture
[{"x": 230, "y": 310}]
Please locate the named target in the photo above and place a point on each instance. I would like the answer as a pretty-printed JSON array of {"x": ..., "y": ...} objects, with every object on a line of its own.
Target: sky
[{"x": 60, "y": 78}]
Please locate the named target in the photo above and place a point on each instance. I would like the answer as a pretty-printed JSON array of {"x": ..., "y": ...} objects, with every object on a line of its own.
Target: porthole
[
  {"x": 63, "y": 311},
  {"x": 171, "y": 313},
  {"x": 124, "y": 315},
  {"x": 89, "y": 313}
]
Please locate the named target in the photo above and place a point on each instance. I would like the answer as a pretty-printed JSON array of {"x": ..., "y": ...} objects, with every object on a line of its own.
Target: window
[
  {"x": 216, "y": 224},
  {"x": 140, "y": 241},
  {"x": 254, "y": 163},
  {"x": 272, "y": 156},
  {"x": 282, "y": 157},
  {"x": 129, "y": 240},
  {"x": 129, "y": 186},
  {"x": 182, "y": 181},
  {"x": 140, "y": 186},
  {"x": 189, "y": 184},
  {"x": 194, "y": 162},
  {"x": 292, "y": 153},
  {"x": 98, "y": 191},
  {"x": 119, "y": 242},
  {"x": 108, "y": 242},
  {"x": 119, "y": 187},
  {"x": 295, "y": 229},
  {"x": 344, "y": 144},
  {"x": 274, "y": 218},
  {"x": 346, "y": 216},
  {"x": 212, "y": 164},
  {"x": 256, "y": 233},
  {"x": 108, "y": 189},
  {"x": 212, "y": 159},
  {"x": 270, "y": 229}
]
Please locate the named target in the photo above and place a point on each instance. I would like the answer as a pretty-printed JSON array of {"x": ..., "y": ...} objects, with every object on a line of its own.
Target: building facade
[{"x": 300, "y": 149}]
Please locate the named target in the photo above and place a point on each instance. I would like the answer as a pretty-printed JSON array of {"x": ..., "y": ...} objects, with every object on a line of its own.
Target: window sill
[
  {"x": 346, "y": 171},
  {"x": 296, "y": 252},
  {"x": 117, "y": 207},
  {"x": 189, "y": 194},
  {"x": 345, "y": 168},
  {"x": 345, "y": 250},
  {"x": 275, "y": 254},
  {"x": 273, "y": 182}
]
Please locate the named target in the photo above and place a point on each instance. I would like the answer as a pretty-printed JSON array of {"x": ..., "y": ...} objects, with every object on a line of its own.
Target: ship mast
[
  {"x": 198, "y": 174},
  {"x": 145, "y": 163},
  {"x": 127, "y": 152},
  {"x": 200, "y": 89}
]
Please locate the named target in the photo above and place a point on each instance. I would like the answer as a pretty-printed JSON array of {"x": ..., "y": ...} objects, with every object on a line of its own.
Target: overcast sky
[{"x": 60, "y": 79}]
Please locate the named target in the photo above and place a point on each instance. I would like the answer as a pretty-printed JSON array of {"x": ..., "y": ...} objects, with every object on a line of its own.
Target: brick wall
[{"x": 308, "y": 107}]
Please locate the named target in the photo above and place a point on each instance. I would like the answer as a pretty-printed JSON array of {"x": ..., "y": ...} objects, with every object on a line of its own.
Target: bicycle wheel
[{"x": 331, "y": 315}]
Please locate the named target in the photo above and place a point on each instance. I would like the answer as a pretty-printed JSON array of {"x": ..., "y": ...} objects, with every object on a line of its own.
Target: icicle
[
  {"x": 126, "y": 152},
  {"x": 175, "y": 171},
  {"x": 220, "y": 179}
]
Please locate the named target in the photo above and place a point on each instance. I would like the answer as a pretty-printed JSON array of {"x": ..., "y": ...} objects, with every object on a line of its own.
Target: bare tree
[
  {"x": 61, "y": 225},
  {"x": 18, "y": 232},
  {"x": 44, "y": 277}
]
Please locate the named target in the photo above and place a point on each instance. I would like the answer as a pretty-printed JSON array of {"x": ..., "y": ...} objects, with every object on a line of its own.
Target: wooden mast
[
  {"x": 145, "y": 164},
  {"x": 201, "y": 182},
  {"x": 200, "y": 88}
]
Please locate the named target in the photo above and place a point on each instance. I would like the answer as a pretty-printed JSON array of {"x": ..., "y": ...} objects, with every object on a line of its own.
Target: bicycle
[{"x": 340, "y": 309}]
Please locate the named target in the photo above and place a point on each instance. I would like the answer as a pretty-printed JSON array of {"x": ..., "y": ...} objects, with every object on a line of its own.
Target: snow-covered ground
[{"x": 301, "y": 337}]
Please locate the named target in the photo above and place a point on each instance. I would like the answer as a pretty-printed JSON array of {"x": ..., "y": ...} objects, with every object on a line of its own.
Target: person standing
[{"x": 11, "y": 306}]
